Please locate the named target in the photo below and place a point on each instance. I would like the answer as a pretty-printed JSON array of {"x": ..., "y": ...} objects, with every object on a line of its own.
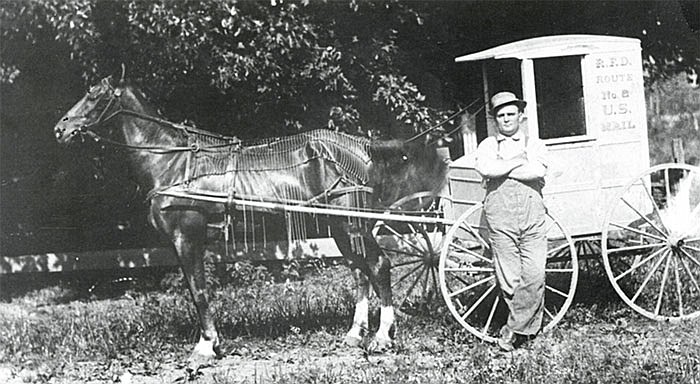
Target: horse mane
[
  {"x": 386, "y": 149},
  {"x": 156, "y": 132}
]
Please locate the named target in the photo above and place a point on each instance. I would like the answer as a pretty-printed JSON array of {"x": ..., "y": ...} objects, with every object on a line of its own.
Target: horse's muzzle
[
  {"x": 58, "y": 132},
  {"x": 64, "y": 134}
]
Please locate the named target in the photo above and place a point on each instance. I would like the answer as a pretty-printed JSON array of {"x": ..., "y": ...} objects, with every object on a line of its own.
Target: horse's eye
[{"x": 92, "y": 93}]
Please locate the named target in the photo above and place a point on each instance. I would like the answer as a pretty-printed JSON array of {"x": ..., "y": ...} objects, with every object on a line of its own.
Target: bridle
[{"x": 105, "y": 116}]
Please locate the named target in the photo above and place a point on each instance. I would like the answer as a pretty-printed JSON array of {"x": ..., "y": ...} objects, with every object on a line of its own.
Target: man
[{"x": 513, "y": 166}]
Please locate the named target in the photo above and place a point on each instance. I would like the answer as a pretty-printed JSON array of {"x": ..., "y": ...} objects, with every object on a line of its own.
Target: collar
[{"x": 516, "y": 136}]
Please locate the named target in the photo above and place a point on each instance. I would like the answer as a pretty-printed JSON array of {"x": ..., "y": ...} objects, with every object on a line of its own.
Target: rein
[
  {"x": 440, "y": 124},
  {"x": 194, "y": 147}
]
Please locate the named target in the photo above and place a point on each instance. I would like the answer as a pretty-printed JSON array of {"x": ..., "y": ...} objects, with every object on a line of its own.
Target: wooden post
[{"x": 677, "y": 151}]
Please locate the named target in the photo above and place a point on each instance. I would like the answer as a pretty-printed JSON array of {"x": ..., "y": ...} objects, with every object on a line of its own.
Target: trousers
[{"x": 515, "y": 218}]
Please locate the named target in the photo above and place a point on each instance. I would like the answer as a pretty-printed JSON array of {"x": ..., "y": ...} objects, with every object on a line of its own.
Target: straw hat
[{"x": 501, "y": 99}]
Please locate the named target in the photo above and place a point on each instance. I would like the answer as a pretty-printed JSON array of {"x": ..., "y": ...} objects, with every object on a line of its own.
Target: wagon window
[{"x": 559, "y": 88}]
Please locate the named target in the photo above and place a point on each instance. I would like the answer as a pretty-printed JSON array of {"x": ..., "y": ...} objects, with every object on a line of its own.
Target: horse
[{"x": 344, "y": 171}]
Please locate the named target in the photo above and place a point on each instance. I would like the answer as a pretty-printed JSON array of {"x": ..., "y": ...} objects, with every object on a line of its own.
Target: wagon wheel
[
  {"x": 651, "y": 242},
  {"x": 414, "y": 249},
  {"x": 468, "y": 280}
]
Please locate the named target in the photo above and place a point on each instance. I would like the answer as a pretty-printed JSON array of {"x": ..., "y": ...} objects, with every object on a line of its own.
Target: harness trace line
[{"x": 440, "y": 124}]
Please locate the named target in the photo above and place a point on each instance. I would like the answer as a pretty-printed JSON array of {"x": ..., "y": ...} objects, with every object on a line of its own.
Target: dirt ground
[{"x": 235, "y": 368}]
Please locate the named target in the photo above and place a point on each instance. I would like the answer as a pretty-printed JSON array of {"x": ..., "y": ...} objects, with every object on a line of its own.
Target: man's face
[{"x": 508, "y": 119}]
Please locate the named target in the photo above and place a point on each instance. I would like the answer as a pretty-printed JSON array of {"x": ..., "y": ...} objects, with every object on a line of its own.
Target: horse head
[
  {"x": 89, "y": 112},
  {"x": 402, "y": 168}
]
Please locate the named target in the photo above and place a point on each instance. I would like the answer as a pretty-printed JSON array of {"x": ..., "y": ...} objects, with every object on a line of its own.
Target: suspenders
[{"x": 492, "y": 184}]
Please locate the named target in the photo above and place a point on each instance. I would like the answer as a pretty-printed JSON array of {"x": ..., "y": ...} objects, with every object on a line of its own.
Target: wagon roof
[{"x": 552, "y": 46}]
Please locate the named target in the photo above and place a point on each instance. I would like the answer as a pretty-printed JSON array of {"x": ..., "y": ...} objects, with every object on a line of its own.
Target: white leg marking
[
  {"x": 359, "y": 323},
  {"x": 205, "y": 348},
  {"x": 386, "y": 320}
]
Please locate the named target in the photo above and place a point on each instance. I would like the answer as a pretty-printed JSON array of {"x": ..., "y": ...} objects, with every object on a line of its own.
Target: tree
[
  {"x": 266, "y": 68},
  {"x": 234, "y": 67}
]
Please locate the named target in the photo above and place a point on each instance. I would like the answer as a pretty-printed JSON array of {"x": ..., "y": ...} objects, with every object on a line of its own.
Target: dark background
[{"x": 63, "y": 199}]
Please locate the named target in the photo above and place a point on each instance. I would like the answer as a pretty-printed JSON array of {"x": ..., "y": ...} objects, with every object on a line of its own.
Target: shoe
[
  {"x": 522, "y": 340},
  {"x": 505, "y": 342}
]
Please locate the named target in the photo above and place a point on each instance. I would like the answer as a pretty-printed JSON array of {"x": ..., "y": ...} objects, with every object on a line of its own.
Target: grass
[{"x": 291, "y": 332}]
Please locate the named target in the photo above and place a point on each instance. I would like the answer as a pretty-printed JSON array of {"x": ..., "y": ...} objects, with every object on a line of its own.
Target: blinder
[{"x": 114, "y": 94}]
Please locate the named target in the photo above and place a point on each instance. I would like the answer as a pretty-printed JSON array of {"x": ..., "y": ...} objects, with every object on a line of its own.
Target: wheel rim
[
  {"x": 414, "y": 252},
  {"x": 651, "y": 243},
  {"x": 468, "y": 282}
]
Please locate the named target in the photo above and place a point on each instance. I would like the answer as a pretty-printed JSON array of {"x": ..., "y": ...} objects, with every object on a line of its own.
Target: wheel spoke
[
  {"x": 416, "y": 232},
  {"x": 490, "y": 318},
  {"x": 425, "y": 282},
  {"x": 472, "y": 286},
  {"x": 402, "y": 252},
  {"x": 401, "y": 238},
  {"x": 696, "y": 249},
  {"x": 557, "y": 249},
  {"x": 643, "y": 217},
  {"x": 478, "y": 302},
  {"x": 474, "y": 233},
  {"x": 636, "y": 247},
  {"x": 546, "y": 311},
  {"x": 690, "y": 273},
  {"x": 410, "y": 289},
  {"x": 558, "y": 292},
  {"x": 649, "y": 275},
  {"x": 692, "y": 239},
  {"x": 663, "y": 284},
  {"x": 688, "y": 255},
  {"x": 653, "y": 203},
  {"x": 402, "y": 264},
  {"x": 433, "y": 272},
  {"x": 655, "y": 237},
  {"x": 470, "y": 252},
  {"x": 405, "y": 276},
  {"x": 634, "y": 267},
  {"x": 678, "y": 287}
]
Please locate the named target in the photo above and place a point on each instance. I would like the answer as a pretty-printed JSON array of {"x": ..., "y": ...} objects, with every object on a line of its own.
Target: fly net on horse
[
  {"x": 261, "y": 171},
  {"x": 350, "y": 154}
]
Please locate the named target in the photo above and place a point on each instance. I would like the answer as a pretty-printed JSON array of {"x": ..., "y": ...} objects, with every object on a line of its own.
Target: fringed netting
[{"x": 349, "y": 153}]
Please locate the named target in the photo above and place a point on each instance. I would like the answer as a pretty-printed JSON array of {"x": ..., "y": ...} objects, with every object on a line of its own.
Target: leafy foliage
[
  {"x": 284, "y": 66},
  {"x": 236, "y": 66},
  {"x": 259, "y": 68}
]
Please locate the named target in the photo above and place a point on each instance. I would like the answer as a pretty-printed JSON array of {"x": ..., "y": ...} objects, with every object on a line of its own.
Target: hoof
[
  {"x": 379, "y": 345},
  {"x": 353, "y": 341},
  {"x": 203, "y": 355},
  {"x": 195, "y": 363}
]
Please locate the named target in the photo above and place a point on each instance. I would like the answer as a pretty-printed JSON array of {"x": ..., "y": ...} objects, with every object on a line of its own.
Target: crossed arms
[{"x": 518, "y": 168}]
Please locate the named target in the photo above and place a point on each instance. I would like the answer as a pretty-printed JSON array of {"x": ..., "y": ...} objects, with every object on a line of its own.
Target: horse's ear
[{"x": 121, "y": 79}]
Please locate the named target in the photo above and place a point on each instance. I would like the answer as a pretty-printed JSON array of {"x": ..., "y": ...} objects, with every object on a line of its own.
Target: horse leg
[
  {"x": 380, "y": 274},
  {"x": 188, "y": 234},
  {"x": 360, "y": 272},
  {"x": 360, "y": 321},
  {"x": 372, "y": 267}
]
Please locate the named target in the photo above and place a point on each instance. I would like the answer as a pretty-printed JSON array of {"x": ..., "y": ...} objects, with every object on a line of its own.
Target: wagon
[
  {"x": 586, "y": 98},
  {"x": 586, "y": 102}
]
